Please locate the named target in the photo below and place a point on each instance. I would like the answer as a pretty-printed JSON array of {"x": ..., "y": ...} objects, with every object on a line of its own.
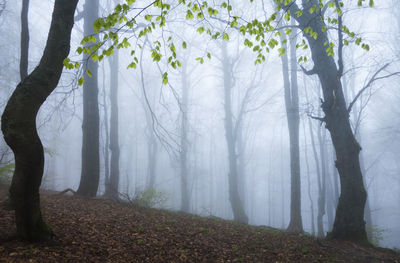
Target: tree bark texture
[
  {"x": 90, "y": 173},
  {"x": 23, "y": 63},
  {"x": 237, "y": 206},
  {"x": 19, "y": 124},
  {"x": 349, "y": 221}
]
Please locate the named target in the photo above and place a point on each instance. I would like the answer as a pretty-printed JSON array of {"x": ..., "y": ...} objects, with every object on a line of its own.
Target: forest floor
[{"x": 101, "y": 230}]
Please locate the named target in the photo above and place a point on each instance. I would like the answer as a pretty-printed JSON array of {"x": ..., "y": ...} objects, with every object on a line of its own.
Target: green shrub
[
  {"x": 375, "y": 234},
  {"x": 150, "y": 198}
]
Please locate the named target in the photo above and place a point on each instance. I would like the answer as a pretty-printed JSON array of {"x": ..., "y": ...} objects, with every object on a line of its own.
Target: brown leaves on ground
[{"x": 100, "y": 230}]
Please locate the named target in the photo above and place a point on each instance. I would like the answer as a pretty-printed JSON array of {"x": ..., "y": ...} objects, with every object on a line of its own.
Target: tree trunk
[
  {"x": 19, "y": 124},
  {"x": 112, "y": 190},
  {"x": 234, "y": 198},
  {"x": 23, "y": 63},
  {"x": 322, "y": 182},
  {"x": 349, "y": 221},
  {"x": 106, "y": 148},
  {"x": 184, "y": 171},
  {"x": 309, "y": 182},
  {"x": 241, "y": 149},
  {"x": 90, "y": 174},
  {"x": 293, "y": 120}
]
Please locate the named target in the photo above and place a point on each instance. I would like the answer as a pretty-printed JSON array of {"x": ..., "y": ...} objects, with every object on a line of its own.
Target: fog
[{"x": 151, "y": 121}]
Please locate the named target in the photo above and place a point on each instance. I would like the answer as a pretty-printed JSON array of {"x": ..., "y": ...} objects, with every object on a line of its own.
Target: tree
[
  {"x": 230, "y": 136},
  {"x": 18, "y": 124},
  {"x": 183, "y": 151},
  {"x": 23, "y": 64},
  {"x": 112, "y": 186},
  {"x": 349, "y": 221},
  {"x": 90, "y": 127},
  {"x": 293, "y": 119}
]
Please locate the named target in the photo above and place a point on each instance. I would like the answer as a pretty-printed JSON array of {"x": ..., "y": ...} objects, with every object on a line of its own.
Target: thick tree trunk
[
  {"x": 23, "y": 63},
  {"x": 237, "y": 206},
  {"x": 183, "y": 155},
  {"x": 19, "y": 124},
  {"x": 293, "y": 120},
  {"x": 113, "y": 188},
  {"x": 90, "y": 174},
  {"x": 349, "y": 221}
]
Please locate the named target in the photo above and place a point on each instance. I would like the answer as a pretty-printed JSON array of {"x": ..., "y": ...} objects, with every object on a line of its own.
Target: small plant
[
  {"x": 6, "y": 172},
  {"x": 375, "y": 234},
  {"x": 150, "y": 198},
  {"x": 305, "y": 250},
  {"x": 205, "y": 229}
]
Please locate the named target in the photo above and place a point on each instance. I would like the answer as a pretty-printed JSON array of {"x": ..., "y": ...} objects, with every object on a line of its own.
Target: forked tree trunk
[
  {"x": 349, "y": 221},
  {"x": 239, "y": 213},
  {"x": 19, "y": 124}
]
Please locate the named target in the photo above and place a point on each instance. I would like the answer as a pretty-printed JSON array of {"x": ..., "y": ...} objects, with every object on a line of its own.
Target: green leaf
[
  {"x": 225, "y": 37},
  {"x": 80, "y": 81}
]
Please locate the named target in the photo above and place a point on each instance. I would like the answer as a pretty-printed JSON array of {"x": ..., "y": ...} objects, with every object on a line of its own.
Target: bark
[
  {"x": 293, "y": 120},
  {"x": 90, "y": 174},
  {"x": 183, "y": 155},
  {"x": 237, "y": 206},
  {"x": 112, "y": 190},
  {"x": 19, "y": 124},
  {"x": 349, "y": 221},
  {"x": 23, "y": 63}
]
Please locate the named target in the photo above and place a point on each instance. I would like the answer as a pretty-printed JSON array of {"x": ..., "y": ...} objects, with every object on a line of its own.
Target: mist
[{"x": 214, "y": 140}]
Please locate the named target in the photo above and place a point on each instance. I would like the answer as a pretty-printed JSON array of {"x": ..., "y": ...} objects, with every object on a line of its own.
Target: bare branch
[{"x": 370, "y": 82}]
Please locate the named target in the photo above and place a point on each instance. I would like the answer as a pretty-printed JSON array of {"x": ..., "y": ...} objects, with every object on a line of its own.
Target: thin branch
[{"x": 370, "y": 82}]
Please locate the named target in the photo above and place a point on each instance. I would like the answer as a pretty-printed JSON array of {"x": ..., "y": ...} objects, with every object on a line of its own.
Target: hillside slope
[{"x": 100, "y": 230}]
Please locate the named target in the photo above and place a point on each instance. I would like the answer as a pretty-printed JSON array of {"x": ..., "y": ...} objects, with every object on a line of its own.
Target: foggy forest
[{"x": 279, "y": 116}]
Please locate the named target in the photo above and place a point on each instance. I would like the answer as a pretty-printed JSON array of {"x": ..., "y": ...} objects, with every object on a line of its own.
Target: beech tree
[
  {"x": 18, "y": 124},
  {"x": 349, "y": 221},
  {"x": 90, "y": 174},
  {"x": 112, "y": 185},
  {"x": 291, "y": 91}
]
